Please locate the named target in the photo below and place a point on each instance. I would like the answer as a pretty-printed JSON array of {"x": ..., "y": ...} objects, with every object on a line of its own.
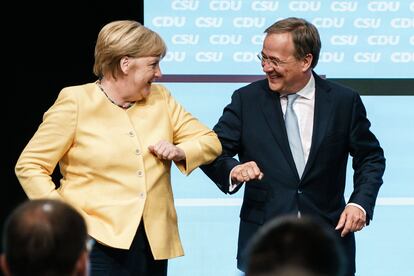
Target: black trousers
[{"x": 137, "y": 261}]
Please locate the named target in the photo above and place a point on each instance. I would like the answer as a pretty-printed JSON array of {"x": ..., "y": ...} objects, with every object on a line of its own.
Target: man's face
[{"x": 284, "y": 72}]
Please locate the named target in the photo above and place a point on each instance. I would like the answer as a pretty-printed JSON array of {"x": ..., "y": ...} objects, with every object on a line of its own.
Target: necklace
[{"x": 124, "y": 106}]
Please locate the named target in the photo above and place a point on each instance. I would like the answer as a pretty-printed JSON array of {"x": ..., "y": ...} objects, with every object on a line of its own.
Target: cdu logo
[
  {"x": 245, "y": 57},
  {"x": 305, "y": 6},
  {"x": 257, "y": 39},
  {"x": 327, "y": 57},
  {"x": 225, "y": 5},
  {"x": 168, "y": 21},
  {"x": 249, "y": 22},
  {"x": 327, "y": 22},
  {"x": 402, "y": 23},
  {"x": 175, "y": 56},
  {"x": 225, "y": 39},
  {"x": 383, "y": 6},
  {"x": 402, "y": 57}
]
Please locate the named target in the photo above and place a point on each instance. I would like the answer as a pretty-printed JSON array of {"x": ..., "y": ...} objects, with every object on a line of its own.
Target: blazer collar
[
  {"x": 272, "y": 111},
  {"x": 321, "y": 117}
]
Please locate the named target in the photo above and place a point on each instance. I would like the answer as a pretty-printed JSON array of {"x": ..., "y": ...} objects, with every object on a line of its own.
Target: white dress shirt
[{"x": 304, "y": 107}]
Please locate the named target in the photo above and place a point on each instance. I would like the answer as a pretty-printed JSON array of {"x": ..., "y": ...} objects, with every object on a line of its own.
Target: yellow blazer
[{"x": 108, "y": 173}]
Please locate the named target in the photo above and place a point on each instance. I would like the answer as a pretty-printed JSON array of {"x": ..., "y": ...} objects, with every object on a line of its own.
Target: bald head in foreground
[
  {"x": 292, "y": 246},
  {"x": 45, "y": 237}
]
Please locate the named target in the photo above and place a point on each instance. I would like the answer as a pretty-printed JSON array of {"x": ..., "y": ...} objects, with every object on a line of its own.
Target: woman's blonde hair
[{"x": 122, "y": 38}]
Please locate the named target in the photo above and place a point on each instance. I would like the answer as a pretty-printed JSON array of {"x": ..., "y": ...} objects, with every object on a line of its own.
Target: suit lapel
[
  {"x": 322, "y": 114},
  {"x": 272, "y": 111}
]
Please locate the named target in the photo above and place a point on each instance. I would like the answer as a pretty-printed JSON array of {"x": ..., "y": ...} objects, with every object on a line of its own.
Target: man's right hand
[{"x": 246, "y": 172}]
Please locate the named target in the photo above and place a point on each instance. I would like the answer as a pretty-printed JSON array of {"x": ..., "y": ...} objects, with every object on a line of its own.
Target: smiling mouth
[{"x": 274, "y": 77}]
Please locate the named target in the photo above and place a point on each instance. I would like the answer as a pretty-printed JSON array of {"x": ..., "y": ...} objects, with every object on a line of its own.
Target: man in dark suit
[{"x": 331, "y": 124}]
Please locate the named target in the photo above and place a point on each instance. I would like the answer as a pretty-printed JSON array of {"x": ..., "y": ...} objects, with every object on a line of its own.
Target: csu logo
[
  {"x": 185, "y": 39},
  {"x": 168, "y": 21},
  {"x": 367, "y": 23},
  {"x": 344, "y": 6},
  {"x": 178, "y": 5},
  {"x": 209, "y": 22},
  {"x": 344, "y": 39},
  {"x": 209, "y": 56},
  {"x": 367, "y": 57},
  {"x": 265, "y": 5}
]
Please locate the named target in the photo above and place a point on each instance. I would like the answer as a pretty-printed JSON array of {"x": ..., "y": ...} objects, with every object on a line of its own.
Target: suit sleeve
[
  {"x": 199, "y": 143},
  {"x": 368, "y": 160},
  {"x": 47, "y": 146},
  {"x": 228, "y": 129}
]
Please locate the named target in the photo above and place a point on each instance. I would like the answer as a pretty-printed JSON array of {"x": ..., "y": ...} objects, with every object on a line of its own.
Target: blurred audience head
[
  {"x": 292, "y": 246},
  {"x": 45, "y": 237}
]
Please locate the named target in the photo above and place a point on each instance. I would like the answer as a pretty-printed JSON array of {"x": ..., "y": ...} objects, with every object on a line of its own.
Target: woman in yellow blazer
[{"x": 114, "y": 140}]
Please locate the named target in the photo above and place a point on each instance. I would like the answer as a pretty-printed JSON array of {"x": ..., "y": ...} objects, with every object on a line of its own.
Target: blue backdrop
[
  {"x": 360, "y": 39},
  {"x": 209, "y": 219}
]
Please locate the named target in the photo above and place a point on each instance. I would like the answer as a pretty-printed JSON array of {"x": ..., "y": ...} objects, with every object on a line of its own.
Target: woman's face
[{"x": 143, "y": 71}]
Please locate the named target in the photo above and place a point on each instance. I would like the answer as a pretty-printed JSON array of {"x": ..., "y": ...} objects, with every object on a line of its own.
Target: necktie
[{"x": 292, "y": 129}]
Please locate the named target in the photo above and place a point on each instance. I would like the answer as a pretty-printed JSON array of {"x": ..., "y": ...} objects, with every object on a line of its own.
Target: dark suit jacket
[{"x": 252, "y": 127}]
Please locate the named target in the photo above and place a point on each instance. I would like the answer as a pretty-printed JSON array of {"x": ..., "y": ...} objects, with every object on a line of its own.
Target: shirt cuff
[
  {"x": 358, "y": 206},
  {"x": 233, "y": 186}
]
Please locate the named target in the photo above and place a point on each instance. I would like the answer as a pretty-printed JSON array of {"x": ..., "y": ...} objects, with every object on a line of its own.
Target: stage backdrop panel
[{"x": 212, "y": 48}]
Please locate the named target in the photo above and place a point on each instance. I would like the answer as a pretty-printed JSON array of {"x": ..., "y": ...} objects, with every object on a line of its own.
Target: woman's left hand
[{"x": 166, "y": 151}]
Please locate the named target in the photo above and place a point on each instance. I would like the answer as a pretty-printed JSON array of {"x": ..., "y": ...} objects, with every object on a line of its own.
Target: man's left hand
[{"x": 352, "y": 219}]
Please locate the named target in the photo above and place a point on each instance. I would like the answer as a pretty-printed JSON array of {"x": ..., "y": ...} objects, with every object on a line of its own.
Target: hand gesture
[
  {"x": 246, "y": 172},
  {"x": 352, "y": 219},
  {"x": 166, "y": 151}
]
